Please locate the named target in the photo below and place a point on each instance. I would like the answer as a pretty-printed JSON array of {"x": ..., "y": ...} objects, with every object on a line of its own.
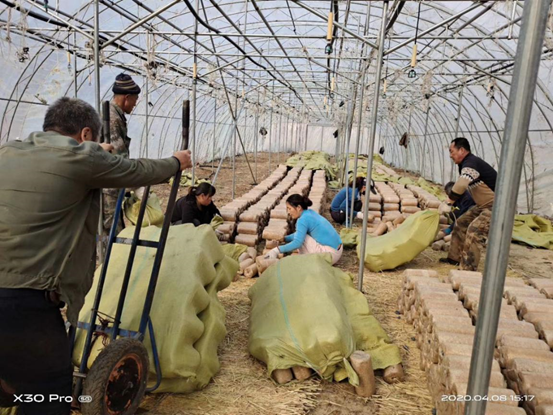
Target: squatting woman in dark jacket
[{"x": 197, "y": 207}]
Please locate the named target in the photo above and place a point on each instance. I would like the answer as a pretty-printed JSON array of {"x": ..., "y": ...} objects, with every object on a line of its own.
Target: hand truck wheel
[
  {"x": 116, "y": 382},
  {"x": 6, "y": 398}
]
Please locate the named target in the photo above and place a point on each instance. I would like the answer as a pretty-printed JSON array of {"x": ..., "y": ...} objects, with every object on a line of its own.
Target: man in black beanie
[{"x": 125, "y": 96}]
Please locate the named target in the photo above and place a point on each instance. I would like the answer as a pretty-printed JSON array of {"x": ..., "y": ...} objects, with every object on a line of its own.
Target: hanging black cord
[
  {"x": 295, "y": 29},
  {"x": 418, "y": 19},
  {"x": 291, "y": 17},
  {"x": 394, "y": 17}
]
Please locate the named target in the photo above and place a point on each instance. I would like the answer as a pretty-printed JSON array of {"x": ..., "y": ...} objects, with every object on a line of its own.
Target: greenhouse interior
[{"x": 330, "y": 242}]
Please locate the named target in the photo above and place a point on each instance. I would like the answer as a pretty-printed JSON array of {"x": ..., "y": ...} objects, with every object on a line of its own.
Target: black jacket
[
  {"x": 478, "y": 171},
  {"x": 479, "y": 178},
  {"x": 187, "y": 211}
]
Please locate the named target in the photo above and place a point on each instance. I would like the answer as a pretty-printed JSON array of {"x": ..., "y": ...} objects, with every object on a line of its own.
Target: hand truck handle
[{"x": 106, "y": 136}]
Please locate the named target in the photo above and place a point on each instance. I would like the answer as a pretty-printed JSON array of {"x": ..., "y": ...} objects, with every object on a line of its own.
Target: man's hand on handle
[{"x": 185, "y": 159}]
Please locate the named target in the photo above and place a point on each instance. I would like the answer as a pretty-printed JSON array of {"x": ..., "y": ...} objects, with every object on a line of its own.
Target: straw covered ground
[{"x": 243, "y": 387}]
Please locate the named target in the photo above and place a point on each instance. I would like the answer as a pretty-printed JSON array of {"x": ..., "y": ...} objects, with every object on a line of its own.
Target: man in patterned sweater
[{"x": 471, "y": 230}]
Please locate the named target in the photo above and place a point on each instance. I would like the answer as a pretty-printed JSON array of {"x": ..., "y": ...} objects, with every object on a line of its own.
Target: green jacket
[{"x": 49, "y": 210}]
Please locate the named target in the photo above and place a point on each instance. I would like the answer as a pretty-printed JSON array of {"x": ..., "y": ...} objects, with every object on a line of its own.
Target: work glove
[
  {"x": 272, "y": 254},
  {"x": 359, "y": 215},
  {"x": 139, "y": 192}
]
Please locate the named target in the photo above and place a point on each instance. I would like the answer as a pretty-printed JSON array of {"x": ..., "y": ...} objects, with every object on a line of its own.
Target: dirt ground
[{"x": 242, "y": 386}]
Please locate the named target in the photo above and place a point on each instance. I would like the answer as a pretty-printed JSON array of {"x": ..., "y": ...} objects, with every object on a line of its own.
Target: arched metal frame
[
  {"x": 280, "y": 52},
  {"x": 294, "y": 59}
]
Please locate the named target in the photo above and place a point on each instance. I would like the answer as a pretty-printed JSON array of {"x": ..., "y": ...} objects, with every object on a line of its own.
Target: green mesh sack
[
  {"x": 307, "y": 313},
  {"x": 403, "y": 244},
  {"x": 189, "y": 321}
]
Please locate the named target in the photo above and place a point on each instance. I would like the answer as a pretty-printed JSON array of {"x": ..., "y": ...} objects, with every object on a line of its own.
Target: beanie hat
[{"x": 124, "y": 85}]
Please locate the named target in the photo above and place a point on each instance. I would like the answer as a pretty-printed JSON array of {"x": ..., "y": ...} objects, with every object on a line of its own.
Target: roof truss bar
[
  {"x": 282, "y": 79},
  {"x": 345, "y": 29},
  {"x": 474, "y": 18},
  {"x": 437, "y": 26},
  {"x": 34, "y": 3},
  {"x": 472, "y": 65},
  {"x": 311, "y": 58},
  {"x": 260, "y": 13},
  {"x": 184, "y": 51},
  {"x": 266, "y": 36},
  {"x": 332, "y": 70},
  {"x": 224, "y": 66},
  {"x": 469, "y": 62},
  {"x": 140, "y": 23},
  {"x": 341, "y": 48}
]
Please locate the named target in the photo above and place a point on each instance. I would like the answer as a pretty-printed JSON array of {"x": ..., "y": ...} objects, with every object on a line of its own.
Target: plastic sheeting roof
[{"x": 268, "y": 59}]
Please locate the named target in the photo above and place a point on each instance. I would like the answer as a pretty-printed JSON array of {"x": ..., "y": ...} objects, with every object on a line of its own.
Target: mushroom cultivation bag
[
  {"x": 188, "y": 320},
  {"x": 402, "y": 244},
  {"x": 307, "y": 313}
]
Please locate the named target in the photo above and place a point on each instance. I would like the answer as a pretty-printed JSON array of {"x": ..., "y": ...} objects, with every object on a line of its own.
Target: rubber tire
[
  {"x": 98, "y": 378},
  {"x": 6, "y": 399}
]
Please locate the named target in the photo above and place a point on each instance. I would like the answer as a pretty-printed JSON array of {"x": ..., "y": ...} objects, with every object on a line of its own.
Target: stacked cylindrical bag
[
  {"x": 444, "y": 313},
  {"x": 231, "y": 211},
  {"x": 278, "y": 226}
]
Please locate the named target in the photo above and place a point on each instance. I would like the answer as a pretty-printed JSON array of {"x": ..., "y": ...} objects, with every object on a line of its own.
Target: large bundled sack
[
  {"x": 406, "y": 181},
  {"x": 234, "y": 250},
  {"x": 378, "y": 174},
  {"x": 216, "y": 222},
  {"x": 188, "y": 320},
  {"x": 313, "y": 160},
  {"x": 350, "y": 237},
  {"x": 432, "y": 189},
  {"x": 307, "y": 313},
  {"x": 534, "y": 231},
  {"x": 383, "y": 177},
  {"x": 378, "y": 158},
  {"x": 186, "y": 180},
  {"x": 152, "y": 217},
  {"x": 402, "y": 244},
  {"x": 295, "y": 161}
]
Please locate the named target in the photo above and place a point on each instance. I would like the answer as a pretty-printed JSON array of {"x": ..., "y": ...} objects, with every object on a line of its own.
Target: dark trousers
[
  {"x": 34, "y": 351},
  {"x": 340, "y": 216}
]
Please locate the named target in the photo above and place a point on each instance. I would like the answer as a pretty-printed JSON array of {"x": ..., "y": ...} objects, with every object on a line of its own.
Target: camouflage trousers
[
  {"x": 109, "y": 205},
  {"x": 469, "y": 237}
]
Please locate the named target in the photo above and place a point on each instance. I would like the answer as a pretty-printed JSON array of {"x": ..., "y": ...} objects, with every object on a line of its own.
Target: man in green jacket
[{"x": 49, "y": 209}]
